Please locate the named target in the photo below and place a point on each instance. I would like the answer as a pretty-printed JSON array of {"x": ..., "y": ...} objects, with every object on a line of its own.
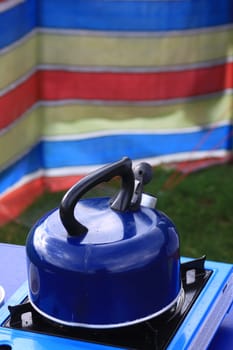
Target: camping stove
[{"x": 207, "y": 297}]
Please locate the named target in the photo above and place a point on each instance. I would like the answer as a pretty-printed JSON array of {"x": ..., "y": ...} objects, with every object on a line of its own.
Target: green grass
[{"x": 200, "y": 206}]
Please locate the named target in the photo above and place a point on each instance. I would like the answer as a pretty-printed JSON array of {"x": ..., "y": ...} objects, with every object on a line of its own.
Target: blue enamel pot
[{"x": 104, "y": 262}]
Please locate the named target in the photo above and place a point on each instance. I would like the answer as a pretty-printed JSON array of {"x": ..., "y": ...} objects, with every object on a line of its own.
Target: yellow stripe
[
  {"x": 77, "y": 119},
  {"x": 18, "y": 61},
  {"x": 20, "y": 136},
  {"x": 80, "y": 119},
  {"x": 135, "y": 51}
]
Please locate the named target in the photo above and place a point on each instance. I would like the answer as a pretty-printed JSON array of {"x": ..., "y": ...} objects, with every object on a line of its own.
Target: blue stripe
[
  {"x": 27, "y": 164},
  {"x": 107, "y": 149},
  {"x": 112, "y": 15},
  {"x": 17, "y": 21},
  {"x": 135, "y": 15},
  {"x": 112, "y": 147}
]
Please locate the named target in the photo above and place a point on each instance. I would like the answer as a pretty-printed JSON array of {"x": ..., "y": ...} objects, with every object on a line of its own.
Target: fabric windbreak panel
[
  {"x": 20, "y": 123},
  {"x": 84, "y": 83}
]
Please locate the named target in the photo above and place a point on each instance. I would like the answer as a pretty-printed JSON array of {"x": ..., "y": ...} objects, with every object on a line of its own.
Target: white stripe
[
  {"x": 83, "y": 170},
  {"x": 139, "y": 69},
  {"x": 4, "y": 6},
  {"x": 18, "y": 42},
  {"x": 19, "y": 81},
  {"x": 155, "y": 103},
  {"x": 135, "y": 34},
  {"x": 24, "y": 180},
  {"x": 154, "y": 161},
  {"x": 19, "y": 119}
]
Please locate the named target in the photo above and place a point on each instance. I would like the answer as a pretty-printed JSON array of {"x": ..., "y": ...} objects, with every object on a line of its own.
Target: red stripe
[
  {"x": 12, "y": 204},
  {"x": 58, "y": 85},
  {"x": 54, "y": 184},
  {"x": 136, "y": 86},
  {"x": 18, "y": 100}
]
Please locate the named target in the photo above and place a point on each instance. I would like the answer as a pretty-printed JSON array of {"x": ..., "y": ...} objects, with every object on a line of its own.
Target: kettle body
[{"x": 103, "y": 262}]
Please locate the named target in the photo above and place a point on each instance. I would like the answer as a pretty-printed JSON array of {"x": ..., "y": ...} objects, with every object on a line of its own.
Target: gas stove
[{"x": 191, "y": 324}]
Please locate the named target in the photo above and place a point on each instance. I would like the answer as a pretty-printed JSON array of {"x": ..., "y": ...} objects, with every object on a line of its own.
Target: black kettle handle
[{"x": 121, "y": 201}]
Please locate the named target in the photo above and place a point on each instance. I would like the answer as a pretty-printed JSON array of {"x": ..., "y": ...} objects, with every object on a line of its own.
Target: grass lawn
[{"x": 201, "y": 206}]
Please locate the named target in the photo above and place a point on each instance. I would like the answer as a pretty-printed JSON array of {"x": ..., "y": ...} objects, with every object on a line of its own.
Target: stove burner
[{"x": 152, "y": 334}]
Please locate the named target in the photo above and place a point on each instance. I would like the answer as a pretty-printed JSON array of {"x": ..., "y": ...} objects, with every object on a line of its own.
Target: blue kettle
[{"x": 105, "y": 262}]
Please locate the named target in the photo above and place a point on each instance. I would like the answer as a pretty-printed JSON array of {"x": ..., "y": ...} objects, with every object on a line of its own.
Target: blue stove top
[{"x": 195, "y": 332}]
